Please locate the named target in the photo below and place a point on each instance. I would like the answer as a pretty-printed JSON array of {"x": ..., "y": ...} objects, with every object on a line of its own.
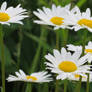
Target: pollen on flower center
[
  {"x": 85, "y": 22},
  {"x": 4, "y": 17},
  {"x": 88, "y": 50},
  {"x": 31, "y": 77},
  {"x": 67, "y": 66},
  {"x": 57, "y": 20}
]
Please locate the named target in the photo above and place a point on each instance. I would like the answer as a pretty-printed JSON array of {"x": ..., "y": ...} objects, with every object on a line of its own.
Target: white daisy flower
[
  {"x": 80, "y": 20},
  {"x": 76, "y": 77},
  {"x": 74, "y": 48},
  {"x": 66, "y": 64},
  {"x": 34, "y": 77},
  {"x": 54, "y": 17},
  {"x": 11, "y": 14},
  {"x": 88, "y": 51}
]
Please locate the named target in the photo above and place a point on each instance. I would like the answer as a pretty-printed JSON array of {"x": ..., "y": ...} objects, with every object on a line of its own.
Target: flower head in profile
[
  {"x": 74, "y": 48},
  {"x": 80, "y": 20},
  {"x": 66, "y": 64},
  {"x": 34, "y": 77},
  {"x": 88, "y": 51},
  {"x": 11, "y": 14},
  {"x": 76, "y": 77},
  {"x": 54, "y": 17}
]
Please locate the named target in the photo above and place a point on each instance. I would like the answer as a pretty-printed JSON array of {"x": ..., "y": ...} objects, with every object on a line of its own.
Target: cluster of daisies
[
  {"x": 65, "y": 17},
  {"x": 68, "y": 63}
]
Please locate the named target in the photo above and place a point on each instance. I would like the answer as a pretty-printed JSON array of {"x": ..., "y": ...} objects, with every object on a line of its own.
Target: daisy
[
  {"x": 54, "y": 16},
  {"x": 11, "y": 14},
  {"x": 76, "y": 77},
  {"x": 88, "y": 51},
  {"x": 34, "y": 77},
  {"x": 66, "y": 64},
  {"x": 74, "y": 48},
  {"x": 80, "y": 20}
]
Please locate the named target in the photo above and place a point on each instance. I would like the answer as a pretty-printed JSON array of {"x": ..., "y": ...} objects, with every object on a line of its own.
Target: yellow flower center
[
  {"x": 57, "y": 20},
  {"x": 67, "y": 66},
  {"x": 85, "y": 22},
  {"x": 4, "y": 17},
  {"x": 31, "y": 77},
  {"x": 88, "y": 50},
  {"x": 78, "y": 76}
]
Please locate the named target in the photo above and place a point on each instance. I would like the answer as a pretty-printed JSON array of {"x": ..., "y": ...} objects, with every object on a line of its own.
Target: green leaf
[
  {"x": 80, "y": 3},
  {"x": 38, "y": 40}
]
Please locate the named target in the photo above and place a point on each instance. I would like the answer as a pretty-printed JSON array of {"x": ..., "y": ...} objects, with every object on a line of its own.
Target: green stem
[
  {"x": 29, "y": 87},
  {"x": 57, "y": 47},
  {"x": 34, "y": 63},
  {"x": 44, "y": 87},
  {"x": 65, "y": 85},
  {"x": 64, "y": 37},
  {"x": 19, "y": 48},
  {"x": 83, "y": 44},
  {"x": 2, "y": 58},
  {"x": 79, "y": 88},
  {"x": 64, "y": 41},
  {"x": 35, "y": 60},
  {"x": 84, "y": 40},
  {"x": 57, "y": 39},
  {"x": 87, "y": 89},
  {"x": 57, "y": 86}
]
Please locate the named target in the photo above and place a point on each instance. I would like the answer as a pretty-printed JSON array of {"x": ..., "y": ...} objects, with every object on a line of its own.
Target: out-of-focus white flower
[
  {"x": 88, "y": 51},
  {"x": 77, "y": 49},
  {"x": 11, "y": 14},
  {"x": 76, "y": 77},
  {"x": 74, "y": 48},
  {"x": 34, "y": 77}
]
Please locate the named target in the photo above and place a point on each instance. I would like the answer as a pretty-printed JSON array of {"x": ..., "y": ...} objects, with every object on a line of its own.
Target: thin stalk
[
  {"x": 57, "y": 39},
  {"x": 34, "y": 64},
  {"x": 88, "y": 79},
  {"x": 65, "y": 86},
  {"x": 19, "y": 48},
  {"x": 35, "y": 60},
  {"x": 64, "y": 41},
  {"x": 2, "y": 58},
  {"x": 87, "y": 85},
  {"x": 44, "y": 87},
  {"x": 57, "y": 47},
  {"x": 79, "y": 88},
  {"x": 57, "y": 86},
  {"x": 84, "y": 42},
  {"x": 28, "y": 87},
  {"x": 64, "y": 37}
]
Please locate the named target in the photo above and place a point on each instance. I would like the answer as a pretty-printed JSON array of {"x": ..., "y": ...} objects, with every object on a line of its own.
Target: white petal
[{"x": 3, "y": 6}]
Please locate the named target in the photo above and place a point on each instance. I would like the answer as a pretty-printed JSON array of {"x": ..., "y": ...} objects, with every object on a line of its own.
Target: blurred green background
[{"x": 26, "y": 45}]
